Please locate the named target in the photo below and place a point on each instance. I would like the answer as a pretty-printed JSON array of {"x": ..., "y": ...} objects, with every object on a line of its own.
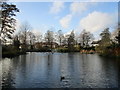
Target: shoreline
[{"x": 12, "y": 55}]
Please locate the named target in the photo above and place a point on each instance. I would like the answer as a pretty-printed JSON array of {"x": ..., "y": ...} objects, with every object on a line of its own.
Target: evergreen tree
[
  {"x": 7, "y": 20},
  {"x": 105, "y": 38},
  {"x": 118, "y": 36}
]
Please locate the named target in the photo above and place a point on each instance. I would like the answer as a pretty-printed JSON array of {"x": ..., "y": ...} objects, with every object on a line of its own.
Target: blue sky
[{"x": 92, "y": 16}]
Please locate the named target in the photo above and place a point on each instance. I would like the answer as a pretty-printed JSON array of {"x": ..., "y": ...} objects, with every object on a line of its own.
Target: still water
[{"x": 44, "y": 70}]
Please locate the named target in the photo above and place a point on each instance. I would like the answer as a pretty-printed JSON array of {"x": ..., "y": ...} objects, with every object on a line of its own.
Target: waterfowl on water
[{"x": 62, "y": 77}]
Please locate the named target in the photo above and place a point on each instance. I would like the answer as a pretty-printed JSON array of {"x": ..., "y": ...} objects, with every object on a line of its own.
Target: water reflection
[
  {"x": 0, "y": 74},
  {"x": 43, "y": 70}
]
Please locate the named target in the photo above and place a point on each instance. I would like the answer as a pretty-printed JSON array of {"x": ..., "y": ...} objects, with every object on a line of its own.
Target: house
[{"x": 95, "y": 43}]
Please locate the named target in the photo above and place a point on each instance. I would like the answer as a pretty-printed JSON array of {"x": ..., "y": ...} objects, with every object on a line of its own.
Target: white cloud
[
  {"x": 56, "y": 7},
  {"x": 80, "y": 7},
  {"x": 96, "y": 21},
  {"x": 75, "y": 8},
  {"x": 65, "y": 21}
]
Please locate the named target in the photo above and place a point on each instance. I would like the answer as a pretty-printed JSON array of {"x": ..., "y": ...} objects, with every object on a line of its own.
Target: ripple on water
[{"x": 43, "y": 70}]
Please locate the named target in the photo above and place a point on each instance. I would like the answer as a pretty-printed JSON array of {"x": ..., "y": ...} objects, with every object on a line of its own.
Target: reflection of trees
[
  {"x": 9, "y": 72},
  {"x": 48, "y": 59},
  {"x": 10, "y": 68},
  {"x": 49, "y": 66},
  {"x": 110, "y": 72},
  {"x": 0, "y": 74},
  {"x": 23, "y": 66},
  {"x": 71, "y": 63},
  {"x": 83, "y": 69},
  {"x": 118, "y": 73},
  {"x": 7, "y": 80}
]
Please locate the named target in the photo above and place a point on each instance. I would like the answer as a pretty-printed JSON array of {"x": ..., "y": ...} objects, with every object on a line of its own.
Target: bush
[
  {"x": 41, "y": 49},
  {"x": 63, "y": 49},
  {"x": 11, "y": 51},
  {"x": 110, "y": 51}
]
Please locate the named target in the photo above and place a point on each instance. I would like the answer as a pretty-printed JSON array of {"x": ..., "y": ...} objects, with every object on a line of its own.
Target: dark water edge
[
  {"x": 60, "y": 89},
  {"x": 43, "y": 70},
  {"x": 12, "y": 55}
]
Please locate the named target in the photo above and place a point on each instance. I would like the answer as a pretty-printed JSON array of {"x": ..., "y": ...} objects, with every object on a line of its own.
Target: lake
[{"x": 44, "y": 70}]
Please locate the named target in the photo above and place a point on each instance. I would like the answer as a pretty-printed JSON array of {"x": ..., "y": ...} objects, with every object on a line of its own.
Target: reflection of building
[{"x": 44, "y": 44}]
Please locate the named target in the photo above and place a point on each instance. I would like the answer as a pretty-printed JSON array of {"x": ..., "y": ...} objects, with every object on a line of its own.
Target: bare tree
[
  {"x": 24, "y": 33},
  {"x": 65, "y": 40},
  {"x": 32, "y": 39},
  {"x": 71, "y": 41},
  {"x": 86, "y": 38},
  {"x": 49, "y": 38},
  {"x": 60, "y": 37},
  {"x": 39, "y": 37}
]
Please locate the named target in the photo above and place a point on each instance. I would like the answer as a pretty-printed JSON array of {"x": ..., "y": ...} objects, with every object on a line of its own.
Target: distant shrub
[{"x": 11, "y": 51}]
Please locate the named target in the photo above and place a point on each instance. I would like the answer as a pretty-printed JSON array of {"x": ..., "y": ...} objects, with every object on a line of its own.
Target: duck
[{"x": 62, "y": 78}]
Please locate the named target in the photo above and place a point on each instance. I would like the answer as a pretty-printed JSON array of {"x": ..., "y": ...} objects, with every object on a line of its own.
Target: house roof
[{"x": 96, "y": 42}]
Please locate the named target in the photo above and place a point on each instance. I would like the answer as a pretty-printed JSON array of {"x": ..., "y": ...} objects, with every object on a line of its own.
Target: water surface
[{"x": 44, "y": 70}]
